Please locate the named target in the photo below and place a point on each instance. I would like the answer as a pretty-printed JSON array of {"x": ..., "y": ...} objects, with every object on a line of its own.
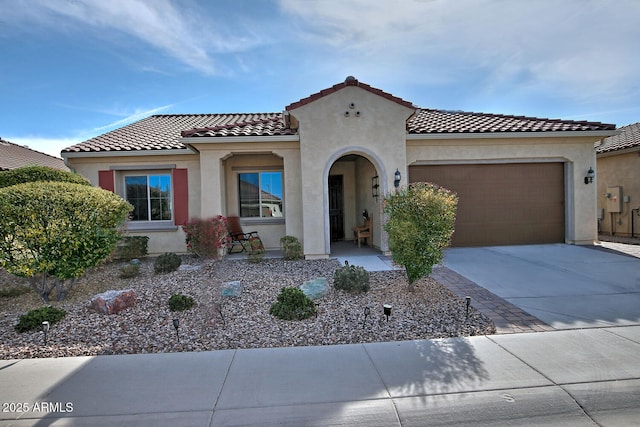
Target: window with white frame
[
  {"x": 260, "y": 194},
  {"x": 150, "y": 196}
]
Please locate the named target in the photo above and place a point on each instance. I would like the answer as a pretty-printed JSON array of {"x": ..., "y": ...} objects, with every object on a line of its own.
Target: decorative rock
[
  {"x": 189, "y": 267},
  {"x": 315, "y": 288},
  {"x": 135, "y": 261},
  {"x": 231, "y": 289},
  {"x": 111, "y": 302}
]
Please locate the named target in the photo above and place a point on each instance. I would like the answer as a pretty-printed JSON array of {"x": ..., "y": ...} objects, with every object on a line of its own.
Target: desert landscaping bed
[{"x": 217, "y": 322}]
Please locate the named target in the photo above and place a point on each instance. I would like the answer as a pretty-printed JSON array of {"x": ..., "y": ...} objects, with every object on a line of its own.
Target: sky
[{"x": 74, "y": 69}]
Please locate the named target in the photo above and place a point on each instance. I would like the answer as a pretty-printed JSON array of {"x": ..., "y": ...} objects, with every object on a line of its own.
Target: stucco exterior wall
[
  {"x": 577, "y": 153},
  {"x": 160, "y": 240},
  {"x": 619, "y": 170},
  {"x": 374, "y": 128}
]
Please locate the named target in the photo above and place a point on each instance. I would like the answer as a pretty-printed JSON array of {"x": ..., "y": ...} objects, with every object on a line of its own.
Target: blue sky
[{"x": 73, "y": 69}]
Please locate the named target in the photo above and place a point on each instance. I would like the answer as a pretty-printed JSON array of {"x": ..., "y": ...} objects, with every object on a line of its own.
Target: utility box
[{"x": 614, "y": 199}]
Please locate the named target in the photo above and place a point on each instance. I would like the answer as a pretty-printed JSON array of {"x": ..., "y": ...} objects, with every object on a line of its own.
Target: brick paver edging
[{"x": 507, "y": 318}]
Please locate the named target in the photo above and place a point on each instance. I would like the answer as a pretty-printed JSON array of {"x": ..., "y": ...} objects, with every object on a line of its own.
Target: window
[
  {"x": 150, "y": 196},
  {"x": 260, "y": 194}
]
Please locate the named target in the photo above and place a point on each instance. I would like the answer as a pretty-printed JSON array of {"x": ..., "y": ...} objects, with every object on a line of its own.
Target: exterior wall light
[
  {"x": 590, "y": 175},
  {"x": 398, "y": 177}
]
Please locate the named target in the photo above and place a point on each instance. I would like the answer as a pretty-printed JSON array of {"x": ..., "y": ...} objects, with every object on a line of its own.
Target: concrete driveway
[{"x": 565, "y": 286}]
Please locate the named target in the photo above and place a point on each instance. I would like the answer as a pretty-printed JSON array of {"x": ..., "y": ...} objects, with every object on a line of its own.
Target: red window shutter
[
  {"x": 106, "y": 180},
  {"x": 180, "y": 196}
]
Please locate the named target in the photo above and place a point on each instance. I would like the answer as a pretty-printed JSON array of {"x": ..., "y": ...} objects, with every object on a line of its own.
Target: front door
[{"x": 336, "y": 208}]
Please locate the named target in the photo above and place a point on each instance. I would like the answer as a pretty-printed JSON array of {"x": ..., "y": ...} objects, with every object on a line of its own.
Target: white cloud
[
  {"x": 137, "y": 115},
  {"x": 580, "y": 48},
  {"x": 175, "y": 29}
]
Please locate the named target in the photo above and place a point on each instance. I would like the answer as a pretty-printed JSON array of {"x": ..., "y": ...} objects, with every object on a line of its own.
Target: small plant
[
  {"x": 34, "y": 318},
  {"x": 207, "y": 238},
  {"x": 292, "y": 304},
  {"x": 351, "y": 278},
  {"x": 256, "y": 252},
  {"x": 180, "y": 302},
  {"x": 167, "y": 262},
  {"x": 291, "y": 247},
  {"x": 129, "y": 271},
  {"x": 131, "y": 247}
]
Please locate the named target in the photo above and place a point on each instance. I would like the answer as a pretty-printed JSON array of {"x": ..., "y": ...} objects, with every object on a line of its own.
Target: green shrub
[
  {"x": 167, "y": 262},
  {"x": 130, "y": 247},
  {"x": 292, "y": 304},
  {"x": 180, "y": 302},
  {"x": 421, "y": 221},
  {"x": 39, "y": 173},
  {"x": 52, "y": 232},
  {"x": 256, "y": 252},
  {"x": 129, "y": 271},
  {"x": 205, "y": 237},
  {"x": 351, "y": 278},
  {"x": 291, "y": 247},
  {"x": 34, "y": 318}
]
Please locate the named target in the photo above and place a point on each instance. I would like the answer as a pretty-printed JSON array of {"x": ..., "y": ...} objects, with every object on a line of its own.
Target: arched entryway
[{"x": 353, "y": 184}]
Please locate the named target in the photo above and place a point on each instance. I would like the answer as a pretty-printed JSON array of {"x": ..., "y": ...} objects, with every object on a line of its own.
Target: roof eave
[
  {"x": 499, "y": 135},
  {"x": 189, "y": 141},
  {"x": 125, "y": 153}
]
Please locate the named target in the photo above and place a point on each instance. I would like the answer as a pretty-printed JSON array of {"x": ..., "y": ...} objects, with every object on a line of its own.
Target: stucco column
[
  {"x": 212, "y": 183},
  {"x": 292, "y": 191}
]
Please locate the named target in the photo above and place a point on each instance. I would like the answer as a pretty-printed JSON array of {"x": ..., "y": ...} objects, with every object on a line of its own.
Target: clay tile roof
[
  {"x": 164, "y": 131},
  {"x": 269, "y": 124},
  {"x": 349, "y": 81},
  {"x": 13, "y": 156},
  {"x": 628, "y": 138},
  {"x": 440, "y": 121}
]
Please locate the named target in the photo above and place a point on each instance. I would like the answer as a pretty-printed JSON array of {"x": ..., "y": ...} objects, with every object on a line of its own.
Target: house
[
  {"x": 13, "y": 156},
  {"x": 618, "y": 183},
  {"x": 328, "y": 157}
]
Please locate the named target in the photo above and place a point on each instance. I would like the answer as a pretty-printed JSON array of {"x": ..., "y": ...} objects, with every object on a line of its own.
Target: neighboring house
[
  {"x": 330, "y": 156},
  {"x": 618, "y": 180},
  {"x": 13, "y": 156}
]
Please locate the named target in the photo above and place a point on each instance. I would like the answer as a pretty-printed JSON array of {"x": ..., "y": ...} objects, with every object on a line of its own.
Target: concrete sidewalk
[{"x": 577, "y": 377}]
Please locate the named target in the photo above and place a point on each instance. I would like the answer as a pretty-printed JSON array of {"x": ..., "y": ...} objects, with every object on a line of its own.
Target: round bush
[
  {"x": 291, "y": 247},
  {"x": 34, "y": 318},
  {"x": 39, "y": 173},
  {"x": 292, "y": 304},
  {"x": 351, "y": 278},
  {"x": 166, "y": 263},
  {"x": 180, "y": 302}
]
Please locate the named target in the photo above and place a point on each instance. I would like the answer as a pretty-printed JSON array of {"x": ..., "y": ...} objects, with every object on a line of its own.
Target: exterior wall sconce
[
  {"x": 590, "y": 175},
  {"x": 375, "y": 185},
  {"x": 398, "y": 177}
]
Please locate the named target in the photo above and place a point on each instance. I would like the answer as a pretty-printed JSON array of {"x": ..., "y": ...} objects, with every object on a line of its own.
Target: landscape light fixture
[
  {"x": 367, "y": 312},
  {"x": 590, "y": 175},
  {"x": 468, "y": 303},
  {"x": 45, "y": 329},
  {"x": 387, "y": 310},
  {"x": 397, "y": 178},
  {"x": 176, "y": 324}
]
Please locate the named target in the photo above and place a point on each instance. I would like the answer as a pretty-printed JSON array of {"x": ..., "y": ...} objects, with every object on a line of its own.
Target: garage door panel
[{"x": 500, "y": 204}]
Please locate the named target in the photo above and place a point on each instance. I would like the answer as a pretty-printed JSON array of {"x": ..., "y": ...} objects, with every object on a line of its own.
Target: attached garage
[{"x": 503, "y": 204}]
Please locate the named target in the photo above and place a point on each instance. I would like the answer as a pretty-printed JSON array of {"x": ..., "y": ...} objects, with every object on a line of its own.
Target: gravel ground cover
[{"x": 217, "y": 322}]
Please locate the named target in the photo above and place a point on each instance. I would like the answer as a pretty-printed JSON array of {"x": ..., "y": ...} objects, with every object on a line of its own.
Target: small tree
[
  {"x": 421, "y": 223},
  {"x": 51, "y": 232}
]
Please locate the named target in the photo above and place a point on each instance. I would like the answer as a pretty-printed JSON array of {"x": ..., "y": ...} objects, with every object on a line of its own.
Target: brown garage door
[{"x": 502, "y": 204}]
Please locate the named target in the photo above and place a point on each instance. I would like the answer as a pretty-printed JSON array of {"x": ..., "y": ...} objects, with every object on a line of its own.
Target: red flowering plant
[{"x": 206, "y": 237}]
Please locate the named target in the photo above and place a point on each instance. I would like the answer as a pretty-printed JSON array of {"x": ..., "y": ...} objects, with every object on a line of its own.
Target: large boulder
[
  {"x": 111, "y": 302},
  {"x": 315, "y": 288}
]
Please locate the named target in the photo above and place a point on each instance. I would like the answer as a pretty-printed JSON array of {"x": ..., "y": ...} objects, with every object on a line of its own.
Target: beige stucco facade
[
  {"x": 361, "y": 136},
  {"x": 618, "y": 183}
]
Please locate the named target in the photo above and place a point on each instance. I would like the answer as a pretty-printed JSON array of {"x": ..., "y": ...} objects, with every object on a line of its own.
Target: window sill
[
  {"x": 262, "y": 221},
  {"x": 149, "y": 226}
]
